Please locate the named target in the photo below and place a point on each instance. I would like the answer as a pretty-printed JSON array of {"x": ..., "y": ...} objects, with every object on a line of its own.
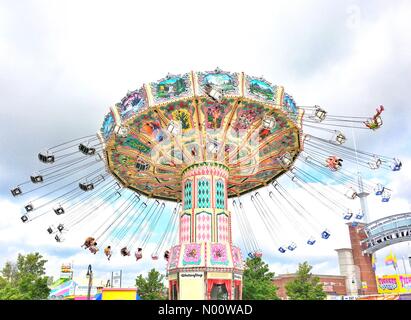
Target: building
[{"x": 334, "y": 286}]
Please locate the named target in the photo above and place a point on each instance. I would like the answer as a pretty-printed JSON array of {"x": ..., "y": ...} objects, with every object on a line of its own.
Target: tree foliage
[
  {"x": 151, "y": 287},
  {"x": 305, "y": 286},
  {"x": 24, "y": 279},
  {"x": 258, "y": 281}
]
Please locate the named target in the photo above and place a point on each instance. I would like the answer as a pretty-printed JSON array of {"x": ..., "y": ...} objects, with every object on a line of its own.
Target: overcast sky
[{"x": 64, "y": 63}]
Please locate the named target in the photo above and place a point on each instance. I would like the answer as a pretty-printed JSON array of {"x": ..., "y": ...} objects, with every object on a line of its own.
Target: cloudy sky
[{"x": 63, "y": 63}]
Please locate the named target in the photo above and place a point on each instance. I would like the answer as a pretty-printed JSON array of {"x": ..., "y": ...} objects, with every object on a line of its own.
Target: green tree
[
  {"x": 258, "y": 281},
  {"x": 305, "y": 286},
  {"x": 151, "y": 287},
  {"x": 24, "y": 279}
]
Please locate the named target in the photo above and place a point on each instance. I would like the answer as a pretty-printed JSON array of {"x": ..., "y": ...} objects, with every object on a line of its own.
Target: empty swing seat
[
  {"x": 88, "y": 151},
  {"x": 325, "y": 234},
  {"x": 86, "y": 186},
  {"x": 281, "y": 249},
  {"x": 348, "y": 215},
  {"x": 292, "y": 246},
  {"x": 59, "y": 210},
  {"x": 250, "y": 255},
  {"x": 319, "y": 114},
  {"x": 50, "y": 230},
  {"x": 340, "y": 138},
  {"x": 142, "y": 166},
  {"x": 57, "y": 238},
  {"x": 60, "y": 227},
  {"x": 311, "y": 241},
  {"x": 359, "y": 215},
  {"x": 24, "y": 218},
  {"x": 36, "y": 178},
  {"x": 46, "y": 158},
  {"x": 16, "y": 191},
  {"x": 396, "y": 166},
  {"x": 154, "y": 257},
  {"x": 213, "y": 93},
  {"x": 351, "y": 193},
  {"x": 354, "y": 223},
  {"x": 379, "y": 189},
  {"x": 29, "y": 207}
]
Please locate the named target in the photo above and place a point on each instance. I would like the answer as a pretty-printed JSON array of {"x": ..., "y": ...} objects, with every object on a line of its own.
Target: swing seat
[
  {"x": 59, "y": 210},
  {"x": 258, "y": 254},
  {"x": 57, "y": 238},
  {"x": 351, "y": 194},
  {"x": 379, "y": 190},
  {"x": 396, "y": 166},
  {"x": 348, "y": 216},
  {"x": 354, "y": 223},
  {"x": 50, "y": 230},
  {"x": 286, "y": 159},
  {"x": 281, "y": 249},
  {"x": 60, "y": 227},
  {"x": 292, "y": 246},
  {"x": 16, "y": 191},
  {"x": 29, "y": 207},
  {"x": 86, "y": 186},
  {"x": 88, "y": 151},
  {"x": 24, "y": 218},
  {"x": 46, "y": 158},
  {"x": 386, "y": 196},
  {"x": 340, "y": 138},
  {"x": 36, "y": 178},
  {"x": 154, "y": 257},
  {"x": 268, "y": 123},
  {"x": 250, "y": 255},
  {"x": 319, "y": 114},
  {"x": 311, "y": 241},
  {"x": 359, "y": 215},
  {"x": 215, "y": 94},
  {"x": 142, "y": 166},
  {"x": 325, "y": 234}
]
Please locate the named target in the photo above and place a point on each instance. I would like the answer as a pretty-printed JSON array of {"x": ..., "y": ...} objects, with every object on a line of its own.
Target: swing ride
[{"x": 170, "y": 154}]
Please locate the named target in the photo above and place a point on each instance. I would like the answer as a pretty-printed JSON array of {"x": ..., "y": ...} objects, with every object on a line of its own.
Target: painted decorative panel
[
  {"x": 192, "y": 254},
  {"x": 218, "y": 254},
  {"x": 188, "y": 195},
  {"x": 203, "y": 226},
  {"x": 132, "y": 103},
  {"x": 220, "y": 194},
  {"x": 185, "y": 228},
  {"x": 203, "y": 193},
  {"x": 108, "y": 126},
  {"x": 223, "y": 228}
]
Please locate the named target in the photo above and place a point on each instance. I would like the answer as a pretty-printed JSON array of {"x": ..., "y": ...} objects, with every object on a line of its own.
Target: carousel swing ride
[{"x": 170, "y": 154}]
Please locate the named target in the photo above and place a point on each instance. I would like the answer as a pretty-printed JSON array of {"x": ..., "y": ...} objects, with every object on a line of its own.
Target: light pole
[{"x": 90, "y": 280}]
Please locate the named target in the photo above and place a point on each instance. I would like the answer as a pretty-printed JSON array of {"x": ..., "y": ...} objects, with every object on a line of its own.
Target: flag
[{"x": 391, "y": 259}]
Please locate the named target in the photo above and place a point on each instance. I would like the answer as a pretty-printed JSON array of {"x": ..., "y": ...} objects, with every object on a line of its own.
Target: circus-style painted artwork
[
  {"x": 108, "y": 126},
  {"x": 192, "y": 254},
  {"x": 134, "y": 143},
  {"x": 131, "y": 104},
  {"x": 154, "y": 130},
  {"x": 170, "y": 87},
  {"x": 261, "y": 88},
  {"x": 218, "y": 254},
  {"x": 289, "y": 103},
  {"x": 225, "y": 81},
  {"x": 174, "y": 256}
]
